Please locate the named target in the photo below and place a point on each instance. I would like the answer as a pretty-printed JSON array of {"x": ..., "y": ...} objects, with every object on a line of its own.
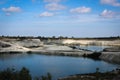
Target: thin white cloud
[
  {"x": 80, "y": 10},
  {"x": 108, "y": 14},
  {"x": 53, "y": 1},
  {"x": 46, "y": 14},
  {"x": 12, "y": 9},
  {"x": 54, "y": 6},
  {"x": 8, "y": 14},
  {"x": 111, "y": 2}
]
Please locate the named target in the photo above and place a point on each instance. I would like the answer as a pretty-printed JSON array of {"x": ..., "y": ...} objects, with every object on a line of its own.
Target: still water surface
[
  {"x": 94, "y": 48},
  {"x": 58, "y": 66}
]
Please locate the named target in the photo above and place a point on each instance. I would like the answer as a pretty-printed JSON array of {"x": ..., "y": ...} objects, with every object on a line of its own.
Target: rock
[
  {"x": 4, "y": 44},
  {"x": 57, "y": 47},
  {"x": 30, "y": 43},
  {"x": 112, "y": 49},
  {"x": 113, "y": 57}
]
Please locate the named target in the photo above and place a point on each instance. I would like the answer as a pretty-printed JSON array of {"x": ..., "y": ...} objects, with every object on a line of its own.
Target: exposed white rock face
[
  {"x": 30, "y": 43},
  {"x": 56, "y": 47},
  {"x": 70, "y": 41},
  {"x": 111, "y": 57},
  {"x": 95, "y": 42},
  {"x": 19, "y": 45},
  {"x": 35, "y": 45},
  {"x": 8, "y": 46},
  {"x": 4, "y": 44}
]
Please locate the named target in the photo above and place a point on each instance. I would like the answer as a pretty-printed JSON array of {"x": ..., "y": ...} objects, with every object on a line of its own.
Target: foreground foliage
[{"x": 23, "y": 74}]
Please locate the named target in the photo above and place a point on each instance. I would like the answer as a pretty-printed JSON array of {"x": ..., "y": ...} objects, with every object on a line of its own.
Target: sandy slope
[
  {"x": 12, "y": 47},
  {"x": 113, "y": 57},
  {"x": 95, "y": 42}
]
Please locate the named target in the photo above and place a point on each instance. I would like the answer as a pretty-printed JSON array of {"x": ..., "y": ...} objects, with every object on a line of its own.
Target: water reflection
[
  {"x": 58, "y": 66},
  {"x": 93, "y": 48}
]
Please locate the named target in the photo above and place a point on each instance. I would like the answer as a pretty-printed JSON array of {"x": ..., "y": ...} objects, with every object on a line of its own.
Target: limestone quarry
[{"x": 61, "y": 47}]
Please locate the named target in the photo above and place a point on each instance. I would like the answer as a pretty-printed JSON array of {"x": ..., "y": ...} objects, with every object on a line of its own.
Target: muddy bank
[
  {"x": 111, "y": 75},
  {"x": 112, "y": 49},
  {"x": 113, "y": 57}
]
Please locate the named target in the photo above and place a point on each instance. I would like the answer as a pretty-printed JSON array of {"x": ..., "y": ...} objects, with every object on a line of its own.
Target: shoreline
[
  {"x": 109, "y": 75},
  {"x": 111, "y": 57},
  {"x": 64, "y": 47},
  {"x": 52, "y": 52}
]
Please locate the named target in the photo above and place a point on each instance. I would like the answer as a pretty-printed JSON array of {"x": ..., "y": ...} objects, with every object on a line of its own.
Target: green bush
[
  {"x": 11, "y": 74},
  {"x": 23, "y": 74}
]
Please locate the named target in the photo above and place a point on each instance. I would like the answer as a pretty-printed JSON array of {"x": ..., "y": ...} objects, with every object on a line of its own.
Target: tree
[
  {"x": 97, "y": 73},
  {"x": 49, "y": 76},
  {"x": 97, "y": 70},
  {"x": 43, "y": 77},
  {"x": 24, "y": 74},
  {"x": 53, "y": 37}
]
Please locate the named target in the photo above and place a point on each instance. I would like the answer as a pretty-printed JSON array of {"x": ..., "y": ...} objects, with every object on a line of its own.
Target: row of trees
[{"x": 59, "y": 37}]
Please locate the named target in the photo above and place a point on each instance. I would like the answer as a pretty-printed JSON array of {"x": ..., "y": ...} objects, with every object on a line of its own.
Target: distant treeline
[{"x": 60, "y": 37}]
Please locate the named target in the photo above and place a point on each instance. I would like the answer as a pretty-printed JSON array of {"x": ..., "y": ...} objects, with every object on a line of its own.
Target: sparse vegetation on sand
[
  {"x": 24, "y": 74},
  {"x": 111, "y": 75}
]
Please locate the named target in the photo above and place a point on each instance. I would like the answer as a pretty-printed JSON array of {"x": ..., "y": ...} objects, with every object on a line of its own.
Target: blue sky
[{"x": 79, "y": 18}]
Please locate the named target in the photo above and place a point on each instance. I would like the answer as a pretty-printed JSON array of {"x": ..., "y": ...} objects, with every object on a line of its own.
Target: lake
[
  {"x": 94, "y": 48},
  {"x": 58, "y": 66}
]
